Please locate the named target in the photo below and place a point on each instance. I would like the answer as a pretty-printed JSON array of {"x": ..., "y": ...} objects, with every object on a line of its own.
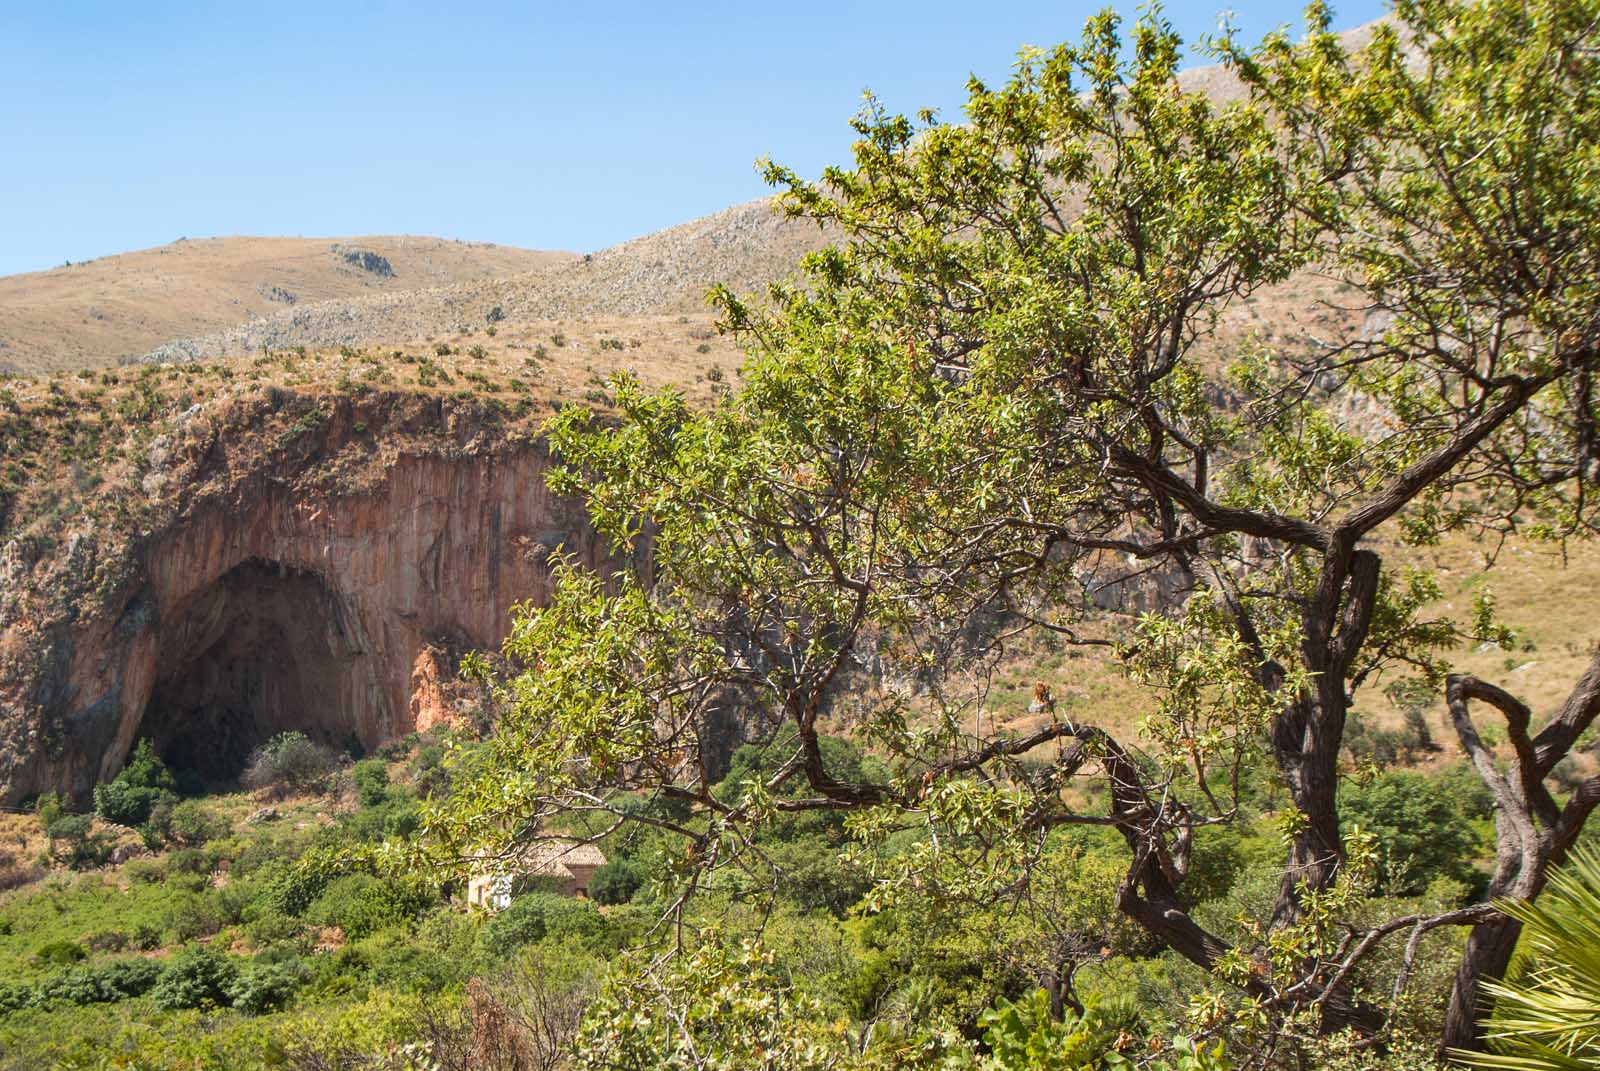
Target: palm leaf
[{"x": 1550, "y": 1020}]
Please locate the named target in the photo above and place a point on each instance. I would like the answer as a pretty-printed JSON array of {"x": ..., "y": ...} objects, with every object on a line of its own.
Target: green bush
[
  {"x": 105, "y": 984},
  {"x": 196, "y": 977},
  {"x": 1424, "y": 827},
  {"x": 264, "y": 926},
  {"x": 194, "y": 823},
  {"x": 361, "y": 904},
  {"x": 145, "y": 781},
  {"x": 69, "y": 827},
  {"x": 395, "y": 750},
  {"x": 618, "y": 881},
  {"x": 371, "y": 777},
  {"x": 193, "y": 915},
  {"x": 59, "y": 953},
  {"x": 537, "y": 915},
  {"x": 265, "y": 987},
  {"x": 188, "y": 861},
  {"x": 146, "y": 938},
  {"x": 289, "y": 889},
  {"x": 126, "y": 804}
]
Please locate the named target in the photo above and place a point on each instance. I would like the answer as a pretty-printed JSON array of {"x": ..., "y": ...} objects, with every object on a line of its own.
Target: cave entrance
[{"x": 264, "y": 649}]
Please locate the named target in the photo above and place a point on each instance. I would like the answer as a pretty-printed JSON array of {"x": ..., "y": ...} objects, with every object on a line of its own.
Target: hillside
[
  {"x": 664, "y": 273},
  {"x": 97, "y": 312}
]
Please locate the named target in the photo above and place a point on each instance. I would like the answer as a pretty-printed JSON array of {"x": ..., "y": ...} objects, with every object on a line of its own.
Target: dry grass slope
[
  {"x": 94, "y": 313},
  {"x": 660, "y": 274}
]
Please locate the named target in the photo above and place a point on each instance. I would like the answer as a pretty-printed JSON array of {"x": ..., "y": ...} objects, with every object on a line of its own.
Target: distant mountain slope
[
  {"x": 99, "y": 311},
  {"x": 661, "y": 273}
]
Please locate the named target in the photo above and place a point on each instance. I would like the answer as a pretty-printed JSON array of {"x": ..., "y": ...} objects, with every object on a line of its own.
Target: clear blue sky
[{"x": 543, "y": 125}]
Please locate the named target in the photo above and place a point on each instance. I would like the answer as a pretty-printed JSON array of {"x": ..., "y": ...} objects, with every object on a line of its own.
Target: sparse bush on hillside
[
  {"x": 289, "y": 762},
  {"x": 194, "y": 822}
]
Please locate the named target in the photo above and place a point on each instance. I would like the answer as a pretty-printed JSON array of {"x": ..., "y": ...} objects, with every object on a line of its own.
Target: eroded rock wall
[{"x": 277, "y": 600}]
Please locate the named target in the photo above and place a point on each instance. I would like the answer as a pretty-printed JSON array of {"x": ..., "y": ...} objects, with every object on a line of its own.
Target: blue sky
[{"x": 550, "y": 126}]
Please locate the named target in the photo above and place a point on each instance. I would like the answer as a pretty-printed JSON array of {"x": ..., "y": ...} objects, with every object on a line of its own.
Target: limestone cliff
[{"x": 283, "y": 560}]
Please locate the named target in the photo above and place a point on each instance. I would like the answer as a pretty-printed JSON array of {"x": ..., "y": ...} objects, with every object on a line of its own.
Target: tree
[
  {"x": 143, "y": 783},
  {"x": 1012, "y": 390}
]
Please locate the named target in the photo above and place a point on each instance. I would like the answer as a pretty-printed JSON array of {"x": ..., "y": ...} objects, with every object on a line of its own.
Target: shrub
[
  {"x": 189, "y": 861},
  {"x": 145, "y": 871},
  {"x": 289, "y": 761},
  {"x": 618, "y": 881},
  {"x": 125, "y": 804},
  {"x": 265, "y": 926},
  {"x": 537, "y": 915},
  {"x": 69, "y": 827},
  {"x": 395, "y": 750},
  {"x": 1424, "y": 828},
  {"x": 266, "y": 987},
  {"x": 107, "y": 941},
  {"x": 195, "y": 978},
  {"x": 106, "y": 984},
  {"x": 194, "y": 823},
  {"x": 361, "y": 905},
  {"x": 291, "y": 889},
  {"x": 371, "y": 777},
  {"x": 59, "y": 953},
  {"x": 193, "y": 915},
  {"x": 14, "y": 997},
  {"x": 145, "y": 781}
]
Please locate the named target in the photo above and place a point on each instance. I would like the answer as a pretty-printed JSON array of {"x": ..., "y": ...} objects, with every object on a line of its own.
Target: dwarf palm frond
[{"x": 1550, "y": 1019}]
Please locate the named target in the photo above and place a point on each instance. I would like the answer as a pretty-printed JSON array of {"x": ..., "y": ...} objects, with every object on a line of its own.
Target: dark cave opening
[{"x": 265, "y": 649}]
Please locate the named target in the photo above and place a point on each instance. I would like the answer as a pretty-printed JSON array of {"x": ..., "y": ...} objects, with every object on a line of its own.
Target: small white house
[{"x": 569, "y": 864}]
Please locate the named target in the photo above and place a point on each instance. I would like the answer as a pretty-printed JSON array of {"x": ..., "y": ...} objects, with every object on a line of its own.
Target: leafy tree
[
  {"x": 997, "y": 400},
  {"x": 1423, "y": 832},
  {"x": 143, "y": 783}
]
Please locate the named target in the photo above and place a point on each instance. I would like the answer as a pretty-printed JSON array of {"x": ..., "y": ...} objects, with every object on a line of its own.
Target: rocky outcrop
[{"x": 291, "y": 585}]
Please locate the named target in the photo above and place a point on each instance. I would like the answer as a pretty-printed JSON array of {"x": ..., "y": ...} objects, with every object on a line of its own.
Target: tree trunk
[{"x": 1488, "y": 953}]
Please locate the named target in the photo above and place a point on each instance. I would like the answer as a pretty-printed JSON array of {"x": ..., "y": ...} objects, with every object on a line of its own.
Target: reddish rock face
[{"x": 272, "y": 607}]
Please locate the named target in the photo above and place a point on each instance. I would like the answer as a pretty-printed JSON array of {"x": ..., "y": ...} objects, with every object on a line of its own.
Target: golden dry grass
[{"x": 93, "y": 313}]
